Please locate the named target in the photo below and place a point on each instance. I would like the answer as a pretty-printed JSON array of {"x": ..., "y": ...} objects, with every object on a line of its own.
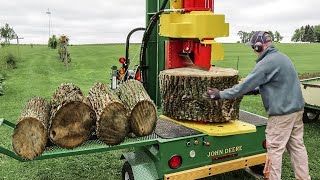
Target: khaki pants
[{"x": 286, "y": 132}]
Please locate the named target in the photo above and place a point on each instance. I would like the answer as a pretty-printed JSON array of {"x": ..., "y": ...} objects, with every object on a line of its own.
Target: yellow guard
[
  {"x": 195, "y": 25},
  {"x": 217, "y": 129}
]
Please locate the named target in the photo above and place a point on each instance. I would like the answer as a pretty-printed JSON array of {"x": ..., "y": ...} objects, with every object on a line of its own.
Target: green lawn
[{"x": 40, "y": 72}]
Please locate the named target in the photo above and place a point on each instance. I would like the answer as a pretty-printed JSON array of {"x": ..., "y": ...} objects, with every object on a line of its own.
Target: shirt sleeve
[{"x": 257, "y": 77}]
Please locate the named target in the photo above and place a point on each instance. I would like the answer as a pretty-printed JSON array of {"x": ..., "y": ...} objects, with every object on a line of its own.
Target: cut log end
[
  {"x": 192, "y": 72},
  {"x": 29, "y": 138},
  {"x": 72, "y": 125},
  {"x": 143, "y": 118},
  {"x": 113, "y": 125}
]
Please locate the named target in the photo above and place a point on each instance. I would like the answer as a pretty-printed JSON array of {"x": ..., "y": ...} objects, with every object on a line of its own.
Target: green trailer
[
  {"x": 172, "y": 151},
  {"x": 311, "y": 93}
]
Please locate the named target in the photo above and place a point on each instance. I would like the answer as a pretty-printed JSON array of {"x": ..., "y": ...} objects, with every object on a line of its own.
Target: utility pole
[
  {"x": 17, "y": 37},
  {"x": 18, "y": 44},
  {"x": 49, "y": 15}
]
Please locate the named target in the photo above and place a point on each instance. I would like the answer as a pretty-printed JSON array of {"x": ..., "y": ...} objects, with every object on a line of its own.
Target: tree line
[
  {"x": 307, "y": 34},
  {"x": 246, "y": 36}
]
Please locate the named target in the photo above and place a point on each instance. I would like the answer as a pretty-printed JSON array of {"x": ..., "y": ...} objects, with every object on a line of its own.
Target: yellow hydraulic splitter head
[{"x": 192, "y": 27}]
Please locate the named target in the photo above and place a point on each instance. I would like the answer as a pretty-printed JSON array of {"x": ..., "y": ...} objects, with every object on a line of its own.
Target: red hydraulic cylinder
[{"x": 198, "y": 5}]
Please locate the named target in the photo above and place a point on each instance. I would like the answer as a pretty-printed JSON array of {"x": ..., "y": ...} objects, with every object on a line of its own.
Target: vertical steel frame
[{"x": 155, "y": 53}]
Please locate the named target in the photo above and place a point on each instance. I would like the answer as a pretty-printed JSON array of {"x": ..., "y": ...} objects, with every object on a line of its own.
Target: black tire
[
  {"x": 127, "y": 173},
  {"x": 258, "y": 169},
  {"x": 309, "y": 116}
]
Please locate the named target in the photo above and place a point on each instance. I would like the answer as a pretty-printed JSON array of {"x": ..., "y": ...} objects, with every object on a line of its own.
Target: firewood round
[
  {"x": 72, "y": 119},
  {"x": 143, "y": 118},
  {"x": 143, "y": 115},
  {"x": 72, "y": 125},
  {"x": 112, "y": 116},
  {"x": 182, "y": 88},
  {"x": 30, "y": 134}
]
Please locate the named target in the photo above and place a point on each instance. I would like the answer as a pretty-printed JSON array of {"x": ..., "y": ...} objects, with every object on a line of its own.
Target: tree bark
[
  {"x": 30, "y": 135},
  {"x": 112, "y": 116},
  {"x": 72, "y": 119},
  {"x": 182, "y": 88},
  {"x": 143, "y": 115}
]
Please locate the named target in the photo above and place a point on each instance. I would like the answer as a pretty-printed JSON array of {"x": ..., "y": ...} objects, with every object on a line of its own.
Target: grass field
[{"x": 40, "y": 72}]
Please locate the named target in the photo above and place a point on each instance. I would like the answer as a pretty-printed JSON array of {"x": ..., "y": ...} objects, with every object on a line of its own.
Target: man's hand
[{"x": 211, "y": 93}]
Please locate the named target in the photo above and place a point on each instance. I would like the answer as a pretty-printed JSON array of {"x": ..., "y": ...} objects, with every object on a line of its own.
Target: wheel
[
  {"x": 309, "y": 116},
  {"x": 127, "y": 173}
]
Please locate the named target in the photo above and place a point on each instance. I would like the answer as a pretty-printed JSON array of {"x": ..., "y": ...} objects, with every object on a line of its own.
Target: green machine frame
[
  {"x": 151, "y": 161},
  {"x": 155, "y": 53}
]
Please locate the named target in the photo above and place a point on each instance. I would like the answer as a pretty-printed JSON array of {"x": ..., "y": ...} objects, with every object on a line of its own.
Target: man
[{"x": 274, "y": 76}]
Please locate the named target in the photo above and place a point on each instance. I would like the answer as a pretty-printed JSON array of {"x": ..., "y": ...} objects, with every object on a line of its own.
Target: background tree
[
  {"x": 277, "y": 37},
  {"x": 298, "y": 35},
  {"x": 246, "y": 36},
  {"x": 250, "y": 35},
  {"x": 317, "y": 33},
  {"x": 7, "y": 33},
  {"x": 63, "y": 52},
  {"x": 242, "y": 35},
  {"x": 307, "y": 33},
  {"x": 311, "y": 34},
  {"x": 271, "y": 35},
  {"x": 53, "y": 42},
  {"x": 302, "y": 30}
]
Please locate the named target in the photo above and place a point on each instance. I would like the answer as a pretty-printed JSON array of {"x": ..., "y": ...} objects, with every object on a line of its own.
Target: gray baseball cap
[{"x": 258, "y": 36}]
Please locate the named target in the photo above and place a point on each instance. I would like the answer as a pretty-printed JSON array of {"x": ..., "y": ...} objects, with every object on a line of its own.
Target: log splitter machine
[{"x": 184, "y": 36}]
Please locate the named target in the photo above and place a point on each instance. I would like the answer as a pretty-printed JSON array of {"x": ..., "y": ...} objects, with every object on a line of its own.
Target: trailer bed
[{"x": 95, "y": 145}]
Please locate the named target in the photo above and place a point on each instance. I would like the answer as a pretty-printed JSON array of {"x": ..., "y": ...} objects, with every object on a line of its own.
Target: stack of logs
[{"x": 70, "y": 119}]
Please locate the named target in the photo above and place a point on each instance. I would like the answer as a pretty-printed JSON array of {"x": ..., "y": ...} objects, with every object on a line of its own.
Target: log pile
[
  {"x": 71, "y": 118},
  {"x": 143, "y": 114},
  {"x": 182, "y": 88},
  {"x": 112, "y": 116},
  {"x": 31, "y": 132}
]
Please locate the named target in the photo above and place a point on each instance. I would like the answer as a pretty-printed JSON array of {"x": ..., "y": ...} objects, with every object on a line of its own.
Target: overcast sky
[{"x": 109, "y": 21}]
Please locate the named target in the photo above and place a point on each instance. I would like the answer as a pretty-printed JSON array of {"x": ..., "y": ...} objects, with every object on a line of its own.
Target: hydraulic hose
[
  {"x": 146, "y": 36},
  {"x": 128, "y": 40},
  {"x": 126, "y": 65}
]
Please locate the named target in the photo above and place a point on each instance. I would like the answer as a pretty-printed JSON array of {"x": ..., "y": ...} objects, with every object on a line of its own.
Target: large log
[
  {"x": 182, "y": 88},
  {"x": 31, "y": 132},
  {"x": 72, "y": 119},
  {"x": 143, "y": 114},
  {"x": 112, "y": 116}
]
